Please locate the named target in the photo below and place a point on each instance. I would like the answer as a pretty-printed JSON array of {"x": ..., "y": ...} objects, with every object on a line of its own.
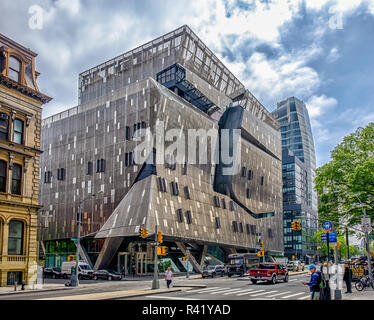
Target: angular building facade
[
  {"x": 177, "y": 93},
  {"x": 299, "y": 164}
]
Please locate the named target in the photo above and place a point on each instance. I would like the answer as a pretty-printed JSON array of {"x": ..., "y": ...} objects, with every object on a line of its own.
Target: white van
[{"x": 84, "y": 270}]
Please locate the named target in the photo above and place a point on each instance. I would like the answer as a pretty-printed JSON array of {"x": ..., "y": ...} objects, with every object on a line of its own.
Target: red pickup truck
[{"x": 271, "y": 272}]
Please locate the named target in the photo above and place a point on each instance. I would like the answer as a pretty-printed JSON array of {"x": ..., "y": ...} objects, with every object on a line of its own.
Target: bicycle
[{"x": 363, "y": 283}]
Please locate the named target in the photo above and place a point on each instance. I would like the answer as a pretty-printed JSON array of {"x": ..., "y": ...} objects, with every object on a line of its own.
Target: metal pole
[
  {"x": 348, "y": 257},
  {"x": 74, "y": 282},
  {"x": 188, "y": 258},
  {"x": 338, "y": 293},
  {"x": 155, "y": 282},
  {"x": 328, "y": 254},
  {"x": 368, "y": 249}
]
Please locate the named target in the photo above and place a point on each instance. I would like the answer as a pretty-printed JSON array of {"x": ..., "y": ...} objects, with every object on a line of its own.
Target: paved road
[{"x": 233, "y": 289}]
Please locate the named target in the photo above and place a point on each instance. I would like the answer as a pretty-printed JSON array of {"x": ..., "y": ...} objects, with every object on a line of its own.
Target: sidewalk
[{"x": 179, "y": 281}]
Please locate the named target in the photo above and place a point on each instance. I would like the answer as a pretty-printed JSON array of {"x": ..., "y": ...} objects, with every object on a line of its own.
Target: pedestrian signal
[
  {"x": 162, "y": 251},
  {"x": 71, "y": 258}
]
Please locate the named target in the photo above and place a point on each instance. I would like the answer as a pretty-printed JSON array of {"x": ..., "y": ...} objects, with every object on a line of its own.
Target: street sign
[
  {"x": 327, "y": 226},
  {"x": 332, "y": 237}
]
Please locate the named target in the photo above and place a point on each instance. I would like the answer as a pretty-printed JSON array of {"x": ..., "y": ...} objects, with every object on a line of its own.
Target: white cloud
[{"x": 318, "y": 105}]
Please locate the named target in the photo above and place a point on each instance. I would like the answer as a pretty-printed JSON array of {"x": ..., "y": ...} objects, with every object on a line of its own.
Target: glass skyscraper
[{"x": 299, "y": 196}]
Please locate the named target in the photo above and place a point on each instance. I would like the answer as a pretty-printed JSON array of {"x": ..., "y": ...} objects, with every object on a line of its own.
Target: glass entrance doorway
[
  {"x": 123, "y": 264},
  {"x": 141, "y": 263}
]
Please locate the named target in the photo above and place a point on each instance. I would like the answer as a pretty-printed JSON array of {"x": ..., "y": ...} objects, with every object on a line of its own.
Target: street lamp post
[{"x": 367, "y": 246}]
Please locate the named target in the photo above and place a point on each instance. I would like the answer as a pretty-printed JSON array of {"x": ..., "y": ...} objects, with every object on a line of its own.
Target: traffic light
[
  {"x": 261, "y": 244},
  {"x": 261, "y": 253},
  {"x": 159, "y": 237},
  {"x": 293, "y": 226},
  {"x": 71, "y": 258},
  {"x": 162, "y": 251},
  {"x": 143, "y": 232},
  {"x": 184, "y": 259},
  {"x": 298, "y": 225}
]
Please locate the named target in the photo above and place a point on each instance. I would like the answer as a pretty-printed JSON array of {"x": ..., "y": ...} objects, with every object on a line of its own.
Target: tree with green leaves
[{"x": 345, "y": 185}]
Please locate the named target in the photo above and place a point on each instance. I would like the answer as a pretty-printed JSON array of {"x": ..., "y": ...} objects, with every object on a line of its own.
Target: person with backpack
[{"x": 314, "y": 283}]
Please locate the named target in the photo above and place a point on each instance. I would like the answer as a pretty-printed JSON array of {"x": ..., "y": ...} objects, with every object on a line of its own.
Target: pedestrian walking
[
  {"x": 168, "y": 277},
  {"x": 347, "y": 278},
  {"x": 314, "y": 282}
]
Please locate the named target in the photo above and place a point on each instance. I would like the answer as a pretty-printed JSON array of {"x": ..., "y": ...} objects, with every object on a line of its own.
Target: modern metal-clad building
[{"x": 173, "y": 96}]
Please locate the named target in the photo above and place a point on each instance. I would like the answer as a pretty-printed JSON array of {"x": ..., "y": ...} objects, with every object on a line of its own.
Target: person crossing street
[{"x": 314, "y": 283}]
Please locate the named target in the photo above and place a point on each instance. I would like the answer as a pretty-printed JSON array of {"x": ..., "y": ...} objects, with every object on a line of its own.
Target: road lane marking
[
  {"x": 171, "y": 298},
  {"x": 293, "y": 280},
  {"x": 263, "y": 293},
  {"x": 242, "y": 294},
  {"x": 279, "y": 294},
  {"x": 199, "y": 289},
  {"x": 293, "y": 295},
  {"x": 303, "y": 298}
]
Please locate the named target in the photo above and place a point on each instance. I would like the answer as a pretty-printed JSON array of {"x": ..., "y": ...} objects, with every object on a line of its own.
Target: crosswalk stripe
[
  {"x": 263, "y": 293},
  {"x": 216, "y": 289},
  {"x": 157, "y": 296},
  {"x": 241, "y": 291},
  {"x": 279, "y": 294},
  {"x": 233, "y": 291},
  {"x": 221, "y": 291},
  {"x": 293, "y": 280},
  {"x": 242, "y": 294},
  {"x": 293, "y": 295},
  {"x": 303, "y": 298},
  {"x": 202, "y": 290}
]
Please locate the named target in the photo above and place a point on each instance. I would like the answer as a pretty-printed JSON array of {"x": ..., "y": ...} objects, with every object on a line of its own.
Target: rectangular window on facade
[
  {"x": 18, "y": 131},
  {"x": 253, "y": 229},
  {"x": 250, "y": 174},
  {"x": 216, "y": 202},
  {"x": 89, "y": 168},
  {"x": 262, "y": 180},
  {"x": 3, "y": 175},
  {"x": 248, "y": 193},
  {"x": 223, "y": 204},
  {"x": 15, "y": 238},
  {"x": 180, "y": 215},
  {"x": 248, "y": 229},
  {"x": 4, "y": 125},
  {"x": 188, "y": 217},
  {"x": 218, "y": 223},
  {"x": 61, "y": 174},
  {"x": 47, "y": 177},
  {"x": 241, "y": 227},
  {"x": 187, "y": 192},
  {"x": 16, "y": 178},
  {"x": 244, "y": 172},
  {"x": 161, "y": 184},
  {"x": 14, "y": 276},
  {"x": 128, "y": 133},
  {"x": 232, "y": 206},
  {"x": 174, "y": 188},
  {"x": 100, "y": 165},
  {"x": 144, "y": 125},
  {"x": 235, "y": 226}
]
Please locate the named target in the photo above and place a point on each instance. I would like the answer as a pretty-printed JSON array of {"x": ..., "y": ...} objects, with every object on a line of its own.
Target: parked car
[
  {"x": 271, "y": 272},
  {"x": 213, "y": 271},
  {"x": 107, "y": 275},
  {"x": 84, "y": 270},
  {"x": 52, "y": 273},
  {"x": 295, "y": 265}
]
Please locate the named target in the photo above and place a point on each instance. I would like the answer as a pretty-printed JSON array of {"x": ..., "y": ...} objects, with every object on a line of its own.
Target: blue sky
[{"x": 319, "y": 51}]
